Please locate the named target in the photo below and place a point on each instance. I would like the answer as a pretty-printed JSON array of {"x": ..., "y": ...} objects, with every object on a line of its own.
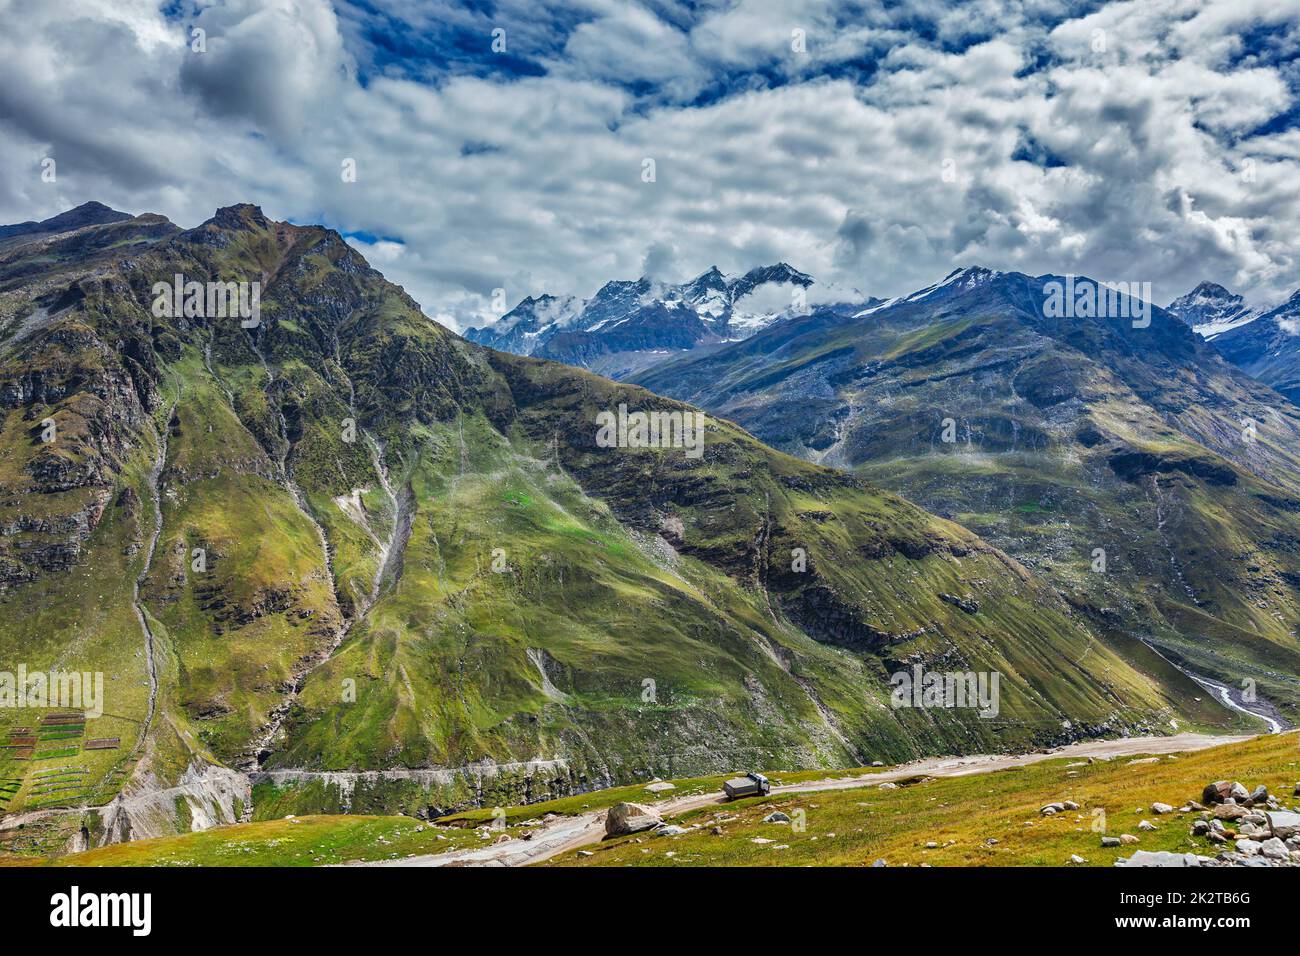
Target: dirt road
[{"x": 570, "y": 833}]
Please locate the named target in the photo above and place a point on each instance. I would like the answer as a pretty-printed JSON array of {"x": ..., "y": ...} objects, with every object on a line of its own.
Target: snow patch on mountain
[{"x": 957, "y": 281}]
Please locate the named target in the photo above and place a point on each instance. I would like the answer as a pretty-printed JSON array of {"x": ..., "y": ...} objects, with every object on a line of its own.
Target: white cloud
[{"x": 535, "y": 184}]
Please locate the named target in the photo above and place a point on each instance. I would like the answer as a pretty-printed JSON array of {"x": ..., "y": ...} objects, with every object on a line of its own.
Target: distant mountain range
[
  {"x": 628, "y": 325},
  {"x": 1053, "y": 438},
  {"x": 1263, "y": 341}
]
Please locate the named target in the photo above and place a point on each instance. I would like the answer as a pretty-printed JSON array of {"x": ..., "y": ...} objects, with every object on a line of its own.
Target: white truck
[{"x": 750, "y": 785}]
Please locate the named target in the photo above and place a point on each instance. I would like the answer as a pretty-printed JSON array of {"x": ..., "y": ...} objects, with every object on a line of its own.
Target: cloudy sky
[{"x": 875, "y": 145}]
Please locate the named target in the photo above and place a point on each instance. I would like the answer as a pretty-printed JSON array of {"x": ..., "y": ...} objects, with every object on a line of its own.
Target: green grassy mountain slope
[
  {"x": 1053, "y": 438},
  {"x": 346, "y": 540}
]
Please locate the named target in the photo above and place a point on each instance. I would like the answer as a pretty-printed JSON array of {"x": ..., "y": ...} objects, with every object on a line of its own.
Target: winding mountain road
[{"x": 573, "y": 832}]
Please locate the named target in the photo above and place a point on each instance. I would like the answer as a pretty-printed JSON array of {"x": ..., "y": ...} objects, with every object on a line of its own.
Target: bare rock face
[{"x": 625, "y": 818}]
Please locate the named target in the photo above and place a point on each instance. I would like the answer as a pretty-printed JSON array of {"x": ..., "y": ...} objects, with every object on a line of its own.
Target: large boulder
[{"x": 625, "y": 818}]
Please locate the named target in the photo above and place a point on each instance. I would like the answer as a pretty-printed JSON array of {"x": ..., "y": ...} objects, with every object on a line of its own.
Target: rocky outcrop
[
  {"x": 211, "y": 796},
  {"x": 427, "y": 793}
]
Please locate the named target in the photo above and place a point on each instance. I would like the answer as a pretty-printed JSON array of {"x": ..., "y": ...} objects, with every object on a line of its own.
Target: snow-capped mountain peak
[
  {"x": 1211, "y": 310},
  {"x": 646, "y": 315}
]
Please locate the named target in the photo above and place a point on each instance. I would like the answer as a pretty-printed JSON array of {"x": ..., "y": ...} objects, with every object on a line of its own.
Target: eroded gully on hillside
[
  {"x": 155, "y": 497},
  {"x": 391, "y": 552}
]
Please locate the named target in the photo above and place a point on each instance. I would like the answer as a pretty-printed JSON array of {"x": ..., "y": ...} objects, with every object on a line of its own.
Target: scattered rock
[
  {"x": 1128, "y": 839},
  {"x": 776, "y": 816},
  {"x": 1076, "y": 859},
  {"x": 1283, "y": 823},
  {"x": 1216, "y": 792},
  {"x": 669, "y": 830},
  {"x": 1273, "y": 848},
  {"x": 1147, "y": 825},
  {"x": 1159, "y": 808},
  {"x": 659, "y": 786},
  {"x": 1108, "y": 841},
  {"x": 889, "y": 786},
  {"x": 1159, "y": 858},
  {"x": 1052, "y": 808}
]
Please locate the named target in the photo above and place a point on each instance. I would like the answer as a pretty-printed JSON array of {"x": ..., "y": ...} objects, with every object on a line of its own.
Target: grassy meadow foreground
[
  {"x": 990, "y": 819},
  {"x": 982, "y": 819}
]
